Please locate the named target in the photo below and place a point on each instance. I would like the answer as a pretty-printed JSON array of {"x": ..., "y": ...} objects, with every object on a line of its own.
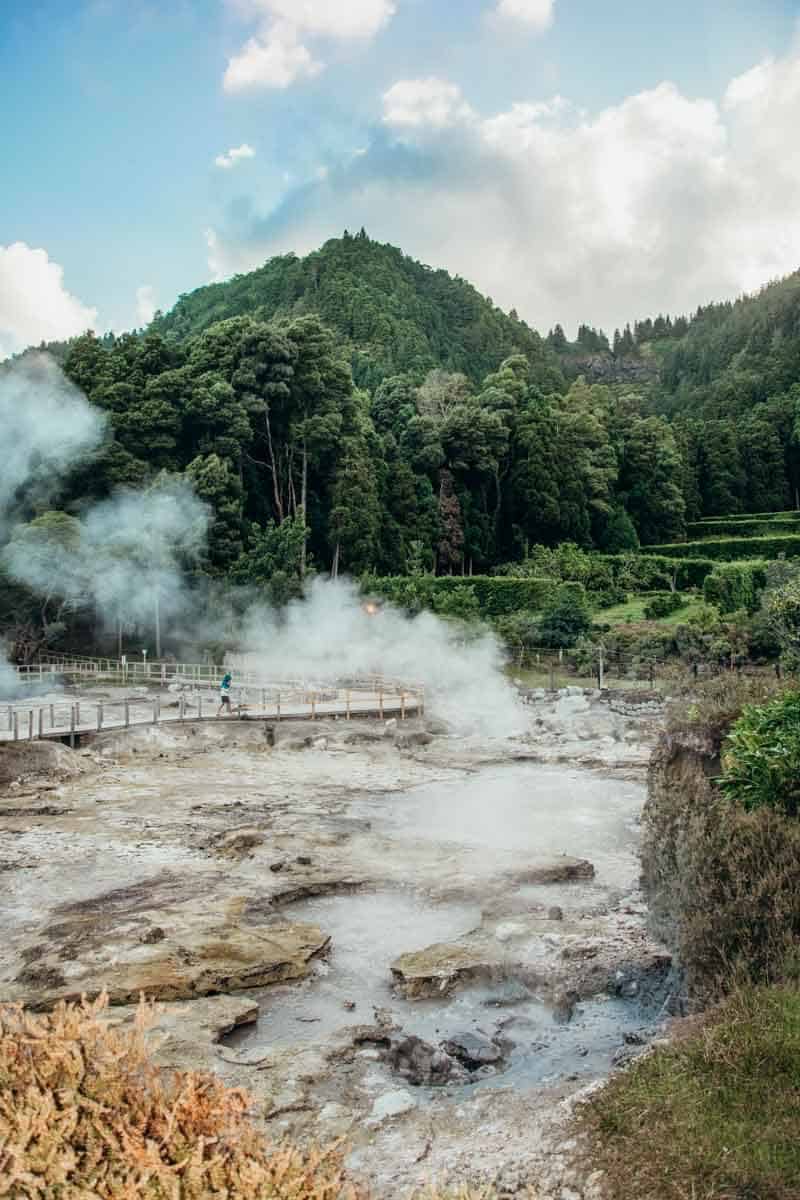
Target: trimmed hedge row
[
  {"x": 737, "y": 585},
  {"x": 657, "y": 572},
  {"x": 793, "y": 514},
  {"x": 699, "y": 530},
  {"x": 733, "y": 549},
  {"x": 497, "y": 596}
]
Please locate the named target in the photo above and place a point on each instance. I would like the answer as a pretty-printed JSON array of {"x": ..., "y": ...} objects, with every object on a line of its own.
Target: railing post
[
  {"x": 279, "y": 706},
  {"x": 263, "y": 698},
  {"x": 72, "y": 726},
  {"x": 10, "y": 718},
  {"x": 41, "y": 722},
  {"x": 380, "y": 702},
  {"x": 16, "y": 726},
  {"x": 77, "y": 712},
  {"x": 402, "y": 706},
  {"x": 313, "y": 706},
  {"x": 127, "y": 712},
  {"x": 199, "y": 707},
  {"x": 99, "y": 717},
  {"x": 155, "y": 712},
  {"x": 182, "y": 708},
  {"x": 347, "y": 697},
  {"x": 30, "y": 725},
  {"x": 52, "y": 716}
]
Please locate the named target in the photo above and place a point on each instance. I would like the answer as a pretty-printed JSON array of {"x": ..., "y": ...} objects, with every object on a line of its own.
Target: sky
[{"x": 576, "y": 160}]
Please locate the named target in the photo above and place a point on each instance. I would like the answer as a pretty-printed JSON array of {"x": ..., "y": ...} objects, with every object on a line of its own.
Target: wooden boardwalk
[{"x": 189, "y": 699}]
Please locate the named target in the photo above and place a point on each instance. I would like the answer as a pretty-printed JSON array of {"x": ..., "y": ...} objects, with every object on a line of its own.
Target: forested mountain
[
  {"x": 390, "y": 313},
  {"x": 404, "y": 422}
]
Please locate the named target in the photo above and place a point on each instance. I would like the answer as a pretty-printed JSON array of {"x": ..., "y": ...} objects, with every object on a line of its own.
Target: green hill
[{"x": 393, "y": 314}]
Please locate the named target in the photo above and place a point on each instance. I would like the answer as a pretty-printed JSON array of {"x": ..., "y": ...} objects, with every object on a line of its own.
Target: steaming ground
[
  {"x": 329, "y": 634},
  {"x": 209, "y": 868}
]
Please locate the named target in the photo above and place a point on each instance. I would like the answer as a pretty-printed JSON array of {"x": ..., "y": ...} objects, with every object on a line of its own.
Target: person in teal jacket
[{"x": 225, "y": 694}]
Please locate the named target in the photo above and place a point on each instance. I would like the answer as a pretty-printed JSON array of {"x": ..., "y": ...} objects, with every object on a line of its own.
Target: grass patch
[
  {"x": 632, "y": 613},
  {"x": 715, "y": 1116}
]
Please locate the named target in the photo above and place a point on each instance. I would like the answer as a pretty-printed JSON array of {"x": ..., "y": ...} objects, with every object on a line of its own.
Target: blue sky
[{"x": 400, "y": 115}]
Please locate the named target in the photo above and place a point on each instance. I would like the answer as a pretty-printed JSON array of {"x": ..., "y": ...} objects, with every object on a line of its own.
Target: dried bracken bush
[{"x": 85, "y": 1114}]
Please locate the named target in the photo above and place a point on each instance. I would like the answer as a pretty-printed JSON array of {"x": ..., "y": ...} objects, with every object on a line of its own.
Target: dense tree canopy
[{"x": 387, "y": 417}]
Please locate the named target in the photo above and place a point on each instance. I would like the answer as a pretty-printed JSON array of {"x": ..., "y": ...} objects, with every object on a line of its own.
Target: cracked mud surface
[{"x": 348, "y": 902}]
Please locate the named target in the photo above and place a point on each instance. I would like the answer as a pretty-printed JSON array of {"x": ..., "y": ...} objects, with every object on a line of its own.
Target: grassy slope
[
  {"x": 714, "y": 1116},
  {"x": 632, "y": 612}
]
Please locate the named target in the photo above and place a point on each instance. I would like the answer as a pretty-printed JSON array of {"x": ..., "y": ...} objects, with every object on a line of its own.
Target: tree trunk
[
  {"x": 276, "y": 491},
  {"x": 303, "y": 499}
]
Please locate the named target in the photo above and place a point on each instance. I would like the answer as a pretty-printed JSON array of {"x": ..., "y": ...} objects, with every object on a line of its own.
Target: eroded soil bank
[{"x": 428, "y": 944}]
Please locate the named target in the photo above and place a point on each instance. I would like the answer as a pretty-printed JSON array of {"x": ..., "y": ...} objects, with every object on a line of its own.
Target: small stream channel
[{"x": 486, "y": 826}]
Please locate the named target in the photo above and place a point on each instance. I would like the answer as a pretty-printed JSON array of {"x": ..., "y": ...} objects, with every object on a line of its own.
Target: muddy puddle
[{"x": 486, "y": 826}]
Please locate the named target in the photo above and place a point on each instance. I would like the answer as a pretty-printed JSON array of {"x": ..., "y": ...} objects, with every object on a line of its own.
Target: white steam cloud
[
  {"x": 47, "y": 424},
  {"x": 329, "y": 635},
  {"x": 127, "y": 555}
]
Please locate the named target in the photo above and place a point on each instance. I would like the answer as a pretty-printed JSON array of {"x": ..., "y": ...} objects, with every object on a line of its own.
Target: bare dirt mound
[{"x": 26, "y": 760}]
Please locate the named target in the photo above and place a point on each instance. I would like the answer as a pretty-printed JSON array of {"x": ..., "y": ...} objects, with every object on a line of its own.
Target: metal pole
[
  {"x": 182, "y": 708},
  {"x": 72, "y": 726},
  {"x": 313, "y": 706},
  {"x": 199, "y": 707},
  {"x": 77, "y": 712},
  {"x": 30, "y": 725},
  {"x": 52, "y": 716},
  {"x": 99, "y": 717},
  {"x": 279, "y": 706},
  {"x": 263, "y": 698},
  {"x": 402, "y": 706},
  {"x": 41, "y": 721},
  {"x": 16, "y": 726},
  {"x": 155, "y": 712},
  {"x": 127, "y": 710},
  {"x": 348, "y": 704}
]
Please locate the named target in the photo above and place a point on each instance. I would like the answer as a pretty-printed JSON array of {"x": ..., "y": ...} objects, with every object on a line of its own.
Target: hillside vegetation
[{"x": 390, "y": 314}]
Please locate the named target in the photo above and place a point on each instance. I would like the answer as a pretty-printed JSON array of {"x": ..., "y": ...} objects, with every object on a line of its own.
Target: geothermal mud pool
[{"x": 425, "y": 944}]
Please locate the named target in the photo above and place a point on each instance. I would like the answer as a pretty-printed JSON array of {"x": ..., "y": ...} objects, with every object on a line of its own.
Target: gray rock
[
  {"x": 473, "y": 1051},
  {"x": 391, "y": 1104}
]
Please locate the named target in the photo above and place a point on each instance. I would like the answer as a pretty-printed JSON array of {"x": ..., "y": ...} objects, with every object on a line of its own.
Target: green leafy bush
[
  {"x": 663, "y": 605},
  {"x": 733, "y": 586},
  {"x": 648, "y": 572},
  {"x": 566, "y": 617},
  {"x": 496, "y": 596},
  {"x": 761, "y": 757}
]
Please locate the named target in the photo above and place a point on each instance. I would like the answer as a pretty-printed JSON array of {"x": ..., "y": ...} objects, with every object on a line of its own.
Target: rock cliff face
[{"x": 603, "y": 367}]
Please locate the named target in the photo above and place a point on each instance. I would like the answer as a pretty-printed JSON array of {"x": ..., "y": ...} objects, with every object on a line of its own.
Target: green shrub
[
  {"x": 496, "y": 596},
  {"x": 732, "y": 548},
  {"x": 761, "y": 757},
  {"x": 520, "y": 632},
  {"x": 663, "y": 605},
  {"x": 655, "y": 572},
  {"x": 566, "y": 617},
  {"x": 733, "y": 586}
]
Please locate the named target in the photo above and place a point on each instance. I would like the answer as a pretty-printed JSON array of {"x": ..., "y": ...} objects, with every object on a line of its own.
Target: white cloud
[
  {"x": 145, "y": 304},
  {"x": 417, "y": 103},
  {"x": 274, "y": 60},
  {"x": 34, "y": 304},
  {"x": 235, "y": 155},
  {"x": 659, "y": 203},
  {"x": 539, "y": 14},
  {"x": 276, "y": 57}
]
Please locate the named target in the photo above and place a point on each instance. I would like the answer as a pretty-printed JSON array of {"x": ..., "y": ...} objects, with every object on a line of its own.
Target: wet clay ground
[{"x": 427, "y": 944}]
